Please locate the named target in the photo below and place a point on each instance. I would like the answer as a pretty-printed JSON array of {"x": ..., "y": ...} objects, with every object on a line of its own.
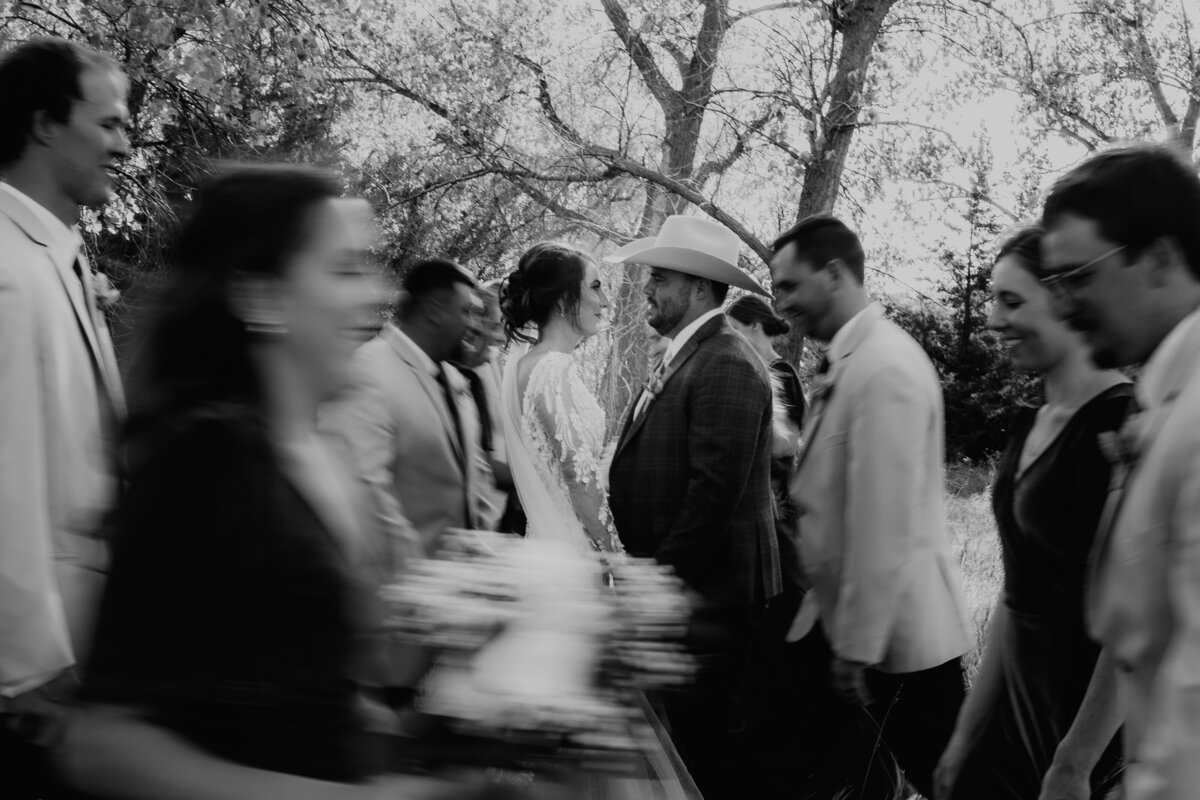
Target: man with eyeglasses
[{"x": 1122, "y": 257}]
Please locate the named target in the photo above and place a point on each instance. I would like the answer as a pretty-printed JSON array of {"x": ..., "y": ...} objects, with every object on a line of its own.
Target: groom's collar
[{"x": 687, "y": 333}]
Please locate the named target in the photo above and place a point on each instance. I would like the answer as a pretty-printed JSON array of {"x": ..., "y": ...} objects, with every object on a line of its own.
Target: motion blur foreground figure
[{"x": 228, "y": 638}]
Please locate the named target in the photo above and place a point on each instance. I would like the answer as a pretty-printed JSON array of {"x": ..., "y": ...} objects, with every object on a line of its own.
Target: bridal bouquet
[{"x": 539, "y": 638}]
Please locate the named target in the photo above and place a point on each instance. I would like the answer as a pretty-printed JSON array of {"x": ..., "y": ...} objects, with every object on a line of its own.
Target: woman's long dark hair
[{"x": 248, "y": 220}]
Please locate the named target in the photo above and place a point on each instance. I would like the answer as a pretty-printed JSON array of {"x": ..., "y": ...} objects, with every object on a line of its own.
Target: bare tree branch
[
  {"x": 718, "y": 166},
  {"x": 666, "y": 95}
]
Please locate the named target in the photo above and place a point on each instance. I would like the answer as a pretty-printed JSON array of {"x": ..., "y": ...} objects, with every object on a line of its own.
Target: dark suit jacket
[
  {"x": 690, "y": 482},
  {"x": 229, "y": 616}
]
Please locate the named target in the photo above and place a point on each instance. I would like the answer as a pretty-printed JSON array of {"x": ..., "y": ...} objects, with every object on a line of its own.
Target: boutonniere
[
  {"x": 654, "y": 385},
  {"x": 106, "y": 294},
  {"x": 1121, "y": 447}
]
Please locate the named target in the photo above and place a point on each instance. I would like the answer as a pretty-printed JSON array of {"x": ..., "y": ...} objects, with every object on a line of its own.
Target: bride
[{"x": 554, "y": 424}]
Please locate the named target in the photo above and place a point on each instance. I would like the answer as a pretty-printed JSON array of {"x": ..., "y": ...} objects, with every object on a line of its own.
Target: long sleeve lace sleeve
[{"x": 568, "y": 424}]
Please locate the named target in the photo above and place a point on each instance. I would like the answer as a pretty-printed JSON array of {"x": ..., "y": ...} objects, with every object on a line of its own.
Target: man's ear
[
  {"x": 44, "y": 129},
  {"x": 1164, "y": 256},
  {"x": 433, "y": 307},
  {"x": 836, "y": 270},
  {"x": 702, "y": 289}
]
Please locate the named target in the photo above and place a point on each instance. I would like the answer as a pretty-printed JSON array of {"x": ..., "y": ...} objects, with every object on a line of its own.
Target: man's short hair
[
  {"x": 430, "y": 276},
  {"x": 1136, "y": 195},
  {"x": 821, "y": 238},
  {"x": 41, "y": 75}
]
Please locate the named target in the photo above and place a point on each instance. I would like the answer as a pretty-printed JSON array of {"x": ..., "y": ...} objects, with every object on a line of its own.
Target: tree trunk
[{"x": 857, "y": 23}]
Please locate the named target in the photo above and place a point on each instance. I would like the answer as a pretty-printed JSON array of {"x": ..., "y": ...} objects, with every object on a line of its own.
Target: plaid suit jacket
[{"x": 690, "y": 482}]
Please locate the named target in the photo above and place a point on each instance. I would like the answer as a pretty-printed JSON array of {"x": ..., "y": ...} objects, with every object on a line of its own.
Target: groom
[{"x": 690, "y": 485}]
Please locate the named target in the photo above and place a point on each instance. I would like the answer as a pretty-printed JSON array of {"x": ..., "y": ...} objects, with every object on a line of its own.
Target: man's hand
[{"x": 850, "y": 681}]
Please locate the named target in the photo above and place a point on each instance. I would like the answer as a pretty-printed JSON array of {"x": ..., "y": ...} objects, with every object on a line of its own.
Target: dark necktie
[
  {"x": 479, "y": 393},
  {"x": 448, "y": 394}
]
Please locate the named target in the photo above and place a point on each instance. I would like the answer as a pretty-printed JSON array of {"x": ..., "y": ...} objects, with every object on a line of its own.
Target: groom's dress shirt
[
  {"x": 1144, "y": 588},
  {"x": 684, "y": 336},
  {"x": 62, "y": 402},
  {"x": 869, "y": 490}
]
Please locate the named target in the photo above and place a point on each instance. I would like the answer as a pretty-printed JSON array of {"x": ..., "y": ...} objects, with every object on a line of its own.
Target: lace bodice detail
[{"x": 565, "y": 427}]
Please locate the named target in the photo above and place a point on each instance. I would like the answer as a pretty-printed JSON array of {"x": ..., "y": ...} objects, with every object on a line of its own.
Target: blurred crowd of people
[{"x": 190, "y": 575}]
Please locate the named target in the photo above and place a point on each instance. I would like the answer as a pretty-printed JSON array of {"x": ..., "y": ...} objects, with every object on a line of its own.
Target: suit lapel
[
  {"x": 823, "y": 394},
  {"x": 634, "y": 424},
  {"x": 431, "y": 388},
  {"x": 94, "y": 331}
]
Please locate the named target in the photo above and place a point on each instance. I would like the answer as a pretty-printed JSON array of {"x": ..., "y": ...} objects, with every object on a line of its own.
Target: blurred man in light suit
[
  {"x": 869, "y": 492},
  {"x": 1122, "y": 256},
  {"x": 410, "y": 419},
  {"x": 61, "y": 135},
  {"x": 413, "y": 430}
]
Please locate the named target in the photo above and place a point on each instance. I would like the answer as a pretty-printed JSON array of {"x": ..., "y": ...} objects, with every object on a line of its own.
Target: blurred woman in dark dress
[
  {"x": 1042, "y": 717},
  {"x": 225, "y": 652}
]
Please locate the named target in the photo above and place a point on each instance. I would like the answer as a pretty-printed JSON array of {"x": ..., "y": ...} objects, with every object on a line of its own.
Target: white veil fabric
[{"x": 547, "y": 517}]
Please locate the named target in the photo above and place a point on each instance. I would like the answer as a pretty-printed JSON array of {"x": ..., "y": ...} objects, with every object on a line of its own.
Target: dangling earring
[{"x": 265, "y": 328}]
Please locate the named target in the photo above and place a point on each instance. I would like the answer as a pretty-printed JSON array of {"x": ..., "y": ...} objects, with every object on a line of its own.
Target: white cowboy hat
[{"x": 692, "y": 246}]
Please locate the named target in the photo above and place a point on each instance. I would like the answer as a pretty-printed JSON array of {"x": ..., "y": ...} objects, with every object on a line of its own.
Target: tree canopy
[{"x": 478, "y": 128}]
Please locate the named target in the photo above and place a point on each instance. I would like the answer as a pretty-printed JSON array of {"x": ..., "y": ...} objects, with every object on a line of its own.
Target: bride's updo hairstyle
[{"x": 548, "y": 280}]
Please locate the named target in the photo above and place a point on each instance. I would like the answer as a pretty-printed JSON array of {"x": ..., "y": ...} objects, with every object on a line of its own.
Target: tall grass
[{"x": 972, "y": 529}]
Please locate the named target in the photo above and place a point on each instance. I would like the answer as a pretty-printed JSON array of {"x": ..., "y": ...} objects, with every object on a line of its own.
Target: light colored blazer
[
  {"x": 58, "y": 381},
  {"x": 1144, "y": 592},
  {"x": 869, "y": 489},
  {"x": 402, "y": 438}
]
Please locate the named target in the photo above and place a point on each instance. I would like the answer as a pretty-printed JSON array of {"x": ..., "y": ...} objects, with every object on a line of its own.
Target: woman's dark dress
[
  {"x": 786, "y": 383},
  {"x": 1047, "y": 520},
  {"x": 229, "y": 616}
]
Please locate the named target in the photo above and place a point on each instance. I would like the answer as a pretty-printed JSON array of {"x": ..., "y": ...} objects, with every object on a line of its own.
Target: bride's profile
[{"x": 551, "y": 302}]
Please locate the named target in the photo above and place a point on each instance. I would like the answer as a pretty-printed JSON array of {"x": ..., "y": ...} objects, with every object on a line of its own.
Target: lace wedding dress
[{"x": 557, "y": 435}]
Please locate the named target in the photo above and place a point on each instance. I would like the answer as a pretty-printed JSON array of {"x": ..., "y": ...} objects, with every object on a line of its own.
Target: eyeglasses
[{"x": 1062, "y": 284}]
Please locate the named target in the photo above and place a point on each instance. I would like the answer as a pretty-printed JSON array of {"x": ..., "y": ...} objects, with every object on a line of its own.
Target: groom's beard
[{"x": 666, "y": 313}]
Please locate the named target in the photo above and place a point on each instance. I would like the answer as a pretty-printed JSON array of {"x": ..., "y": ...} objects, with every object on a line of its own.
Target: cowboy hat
[{"x": 692, "y": 246}]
